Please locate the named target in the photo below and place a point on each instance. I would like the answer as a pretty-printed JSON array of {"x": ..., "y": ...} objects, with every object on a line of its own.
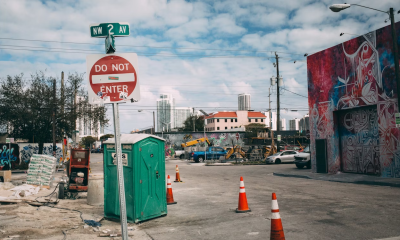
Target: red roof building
[{"x": 229, "y": 120}]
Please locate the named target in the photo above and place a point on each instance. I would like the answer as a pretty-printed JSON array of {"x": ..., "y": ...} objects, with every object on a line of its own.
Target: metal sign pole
[{"x": 121, "y": 187}]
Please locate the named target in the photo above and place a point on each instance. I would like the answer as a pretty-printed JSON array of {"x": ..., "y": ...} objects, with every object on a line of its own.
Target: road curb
[
  {"x": 363, "y": 182},
  {"x": 291, "y": 175}
]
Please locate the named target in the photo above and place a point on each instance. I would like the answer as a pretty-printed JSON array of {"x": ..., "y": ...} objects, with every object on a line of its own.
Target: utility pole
[
  {"x": 194, "y": 122},
  {"x": 277, "y": 96},
  {"x": 269, "y": 111},
  {"x": 74, "y": 118},
  {"x": 54, "y": 118},
  {"x": 62, "y": 115},
  {"x": 154, "y": 124}
]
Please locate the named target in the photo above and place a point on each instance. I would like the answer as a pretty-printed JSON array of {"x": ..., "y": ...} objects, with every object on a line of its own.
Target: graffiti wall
[
  {"x": 352, "y": 100},
  {"x": 223, "y": 139},
  {"x": 22, "y": 152},
  {"x": 9, "y": 156}
]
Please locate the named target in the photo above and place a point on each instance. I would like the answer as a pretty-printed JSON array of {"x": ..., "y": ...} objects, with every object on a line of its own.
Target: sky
[{"x": 204, "y": 53}]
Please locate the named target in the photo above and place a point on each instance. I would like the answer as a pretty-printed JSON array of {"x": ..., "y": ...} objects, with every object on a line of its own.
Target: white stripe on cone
[
  {"x": 241, "y": 184},
  {"x": 242, "y": 190},
  {"x": 276, "y": 215},
  {"x": 274, "y": 205}
]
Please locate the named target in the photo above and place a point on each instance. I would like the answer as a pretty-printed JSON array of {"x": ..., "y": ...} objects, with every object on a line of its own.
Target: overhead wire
[{"x": 158, "y": 47}]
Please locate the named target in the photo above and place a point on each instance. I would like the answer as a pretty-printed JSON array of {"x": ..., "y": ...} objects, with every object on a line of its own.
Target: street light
[
  {"x": 340, "y": 7},
  {"x": 154, "y": 123}
]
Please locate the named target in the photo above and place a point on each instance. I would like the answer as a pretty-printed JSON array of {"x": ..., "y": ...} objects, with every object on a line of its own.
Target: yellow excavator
[
  {"x": 235, "y": 149},
  {"x": 194, "y": 142}
]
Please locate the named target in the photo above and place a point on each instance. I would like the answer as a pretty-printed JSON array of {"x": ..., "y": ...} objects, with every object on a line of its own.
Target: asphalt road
[{"x": 310, "y": 209}]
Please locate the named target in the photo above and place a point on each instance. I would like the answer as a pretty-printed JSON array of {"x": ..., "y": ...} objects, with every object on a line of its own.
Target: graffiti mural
[
  {"x": 352, "y": 101},
  {"x": 359, "y": 138},
  {"x": 27, "y": 150},
  {"x": 9, "y": 156},
  {"x": 48, "y": 150},
  {"x": 223, "y": 139}
]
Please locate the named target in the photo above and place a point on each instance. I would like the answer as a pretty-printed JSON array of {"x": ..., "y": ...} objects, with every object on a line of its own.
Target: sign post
[{"x": 113, "y": 79}]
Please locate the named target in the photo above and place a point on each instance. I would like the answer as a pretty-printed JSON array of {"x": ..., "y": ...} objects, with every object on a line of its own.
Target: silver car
[{"x": 285, "y": 156}]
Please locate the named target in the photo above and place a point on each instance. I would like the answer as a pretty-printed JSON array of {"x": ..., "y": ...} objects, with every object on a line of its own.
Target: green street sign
[
  {"x": 278, "y": 138},
  {"x": 102, "y": 30}
]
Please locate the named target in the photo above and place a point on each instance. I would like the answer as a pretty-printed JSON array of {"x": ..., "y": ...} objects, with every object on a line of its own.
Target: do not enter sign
[{"x": 112, "y": 78}]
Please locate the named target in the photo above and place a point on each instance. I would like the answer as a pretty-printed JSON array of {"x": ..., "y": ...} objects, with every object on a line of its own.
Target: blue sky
[{"x": 205, "y": 53}]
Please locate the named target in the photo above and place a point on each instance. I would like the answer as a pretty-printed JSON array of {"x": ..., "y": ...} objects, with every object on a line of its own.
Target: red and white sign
[
  {"x": 237, "y": 136},
  {"x": 112, "y": 78}
]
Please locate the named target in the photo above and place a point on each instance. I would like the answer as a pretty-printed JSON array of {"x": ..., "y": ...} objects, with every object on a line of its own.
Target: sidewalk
[{"x": 341, "y": 177}]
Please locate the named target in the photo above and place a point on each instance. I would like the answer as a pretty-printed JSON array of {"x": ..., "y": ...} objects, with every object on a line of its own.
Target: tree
[
  {"x": 106, "y": 136},
  {"x": 86, "y": 142},
  {"x": 26, "y": 107},
  {"x": 188, "y": 124}
]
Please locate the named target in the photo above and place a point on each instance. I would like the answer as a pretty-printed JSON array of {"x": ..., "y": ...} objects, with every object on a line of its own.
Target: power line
[
  {"x": 183, "y": 48},
  {"x": 295, "y": 93},
  {"x": 143, "y": 54}
]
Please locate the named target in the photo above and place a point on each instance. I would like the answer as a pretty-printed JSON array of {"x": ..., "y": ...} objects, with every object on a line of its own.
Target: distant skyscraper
[
  {"x": 304, "y": 123},
  {"x": 244, "y": 102},
  {"x": 294, "y": 124},
  {"x": 181, "y": 114},
  {"x": 165, "y": 112},
  {"x": 283, "y": 124}
]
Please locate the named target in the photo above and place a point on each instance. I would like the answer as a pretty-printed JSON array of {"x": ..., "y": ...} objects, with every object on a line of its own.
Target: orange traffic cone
[
  {"x": 276, "y": 222},
  {"x": 242, "y": 206},
  {"x": 170, "y": 196},
  {"x": 178, "y": 177}
]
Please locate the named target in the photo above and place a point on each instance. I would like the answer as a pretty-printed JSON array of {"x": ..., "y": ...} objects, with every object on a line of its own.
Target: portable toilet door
[{"x": 151, "y": 179}]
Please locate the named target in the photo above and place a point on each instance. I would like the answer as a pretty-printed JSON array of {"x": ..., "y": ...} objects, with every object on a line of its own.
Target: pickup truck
[
  {"x": 211, "y": 153},
  {"x": 303, "y": 159},
  {"x": 180, "y": 154}
]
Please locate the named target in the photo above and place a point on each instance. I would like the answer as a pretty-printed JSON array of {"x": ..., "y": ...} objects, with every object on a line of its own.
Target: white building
[
  {"x": 268, "y": 120},
  {"x": 180, "y": 115},
  {"x": 283, "y": 124},
  {"x": 304, "y": 123},
  {"x": 165, "y": 113},
  {"x": 244, "y": 102},
  {"x": 87, "y": 127},
  {"x": 294, "y": 124}
]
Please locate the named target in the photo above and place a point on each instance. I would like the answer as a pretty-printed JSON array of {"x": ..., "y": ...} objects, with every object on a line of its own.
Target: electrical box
[{"x": 143, "y": 161}]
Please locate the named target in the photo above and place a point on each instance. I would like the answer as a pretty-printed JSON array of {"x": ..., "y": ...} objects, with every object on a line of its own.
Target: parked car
[
  {"x": 96, "y": 150},
  {"x": 285, "y": 156},
  {"x": 180, "y": 154},
  {"x": 303, "y": 159},
  {"x": 211, "y": 153}
]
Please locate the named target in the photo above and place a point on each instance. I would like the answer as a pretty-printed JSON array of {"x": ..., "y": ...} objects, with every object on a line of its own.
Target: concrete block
[{"x": 6, "y": 175}]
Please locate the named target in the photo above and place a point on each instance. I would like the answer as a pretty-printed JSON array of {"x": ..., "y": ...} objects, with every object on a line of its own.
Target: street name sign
[
  {"x": 101, "y": 30},
  {"x": 278, "y": 138},
  {"x": 112, "y": 78},
  {"x": 9, "y": 140}
]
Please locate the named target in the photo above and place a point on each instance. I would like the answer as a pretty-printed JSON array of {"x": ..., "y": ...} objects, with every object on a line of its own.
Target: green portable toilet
[{"x": 144, "y": 173}]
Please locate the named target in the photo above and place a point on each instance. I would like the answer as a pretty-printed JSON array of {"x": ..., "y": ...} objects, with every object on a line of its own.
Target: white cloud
[{"x": 288, "y": 26}]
